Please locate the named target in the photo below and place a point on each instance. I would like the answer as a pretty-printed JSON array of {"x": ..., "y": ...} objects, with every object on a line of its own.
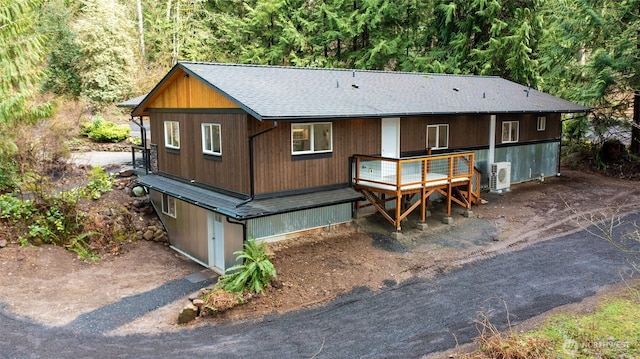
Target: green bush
[
  {"x": 99, "y": 183},
  {"x": 100, "y": 130},
  {"x": 252, "y": 275}
]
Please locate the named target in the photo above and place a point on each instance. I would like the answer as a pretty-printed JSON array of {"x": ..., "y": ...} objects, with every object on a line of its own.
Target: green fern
[{"x": 253, "y": 274}]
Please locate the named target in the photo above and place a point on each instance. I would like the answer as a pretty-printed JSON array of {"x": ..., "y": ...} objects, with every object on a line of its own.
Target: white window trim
[
  {"x": 204, "y": 147},
  {"x": 311, "y": 138},
  {"x": 542, "y": 123},
  {"x": 437, "y": 127},
  {"x": 169, "y": 205},
  {"x": 510, "y": 124},
  {"x": 170, "y": 135}
]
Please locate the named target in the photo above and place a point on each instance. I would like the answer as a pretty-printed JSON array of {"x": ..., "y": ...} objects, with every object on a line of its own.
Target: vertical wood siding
[
  {"x": 528, "y": 127},
  {"x": 464, "y": 131},
  {"x": 277, "y": 170},
  {"x": 182, "y": 91},
  {"x": 230, "y": 171}
]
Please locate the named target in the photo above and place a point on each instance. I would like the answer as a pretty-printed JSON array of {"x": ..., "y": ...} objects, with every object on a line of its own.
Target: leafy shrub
[
  {"x": 15, "y": 209},
  {"x": 252, "y": 275},
  {"x": 55, "y": 218},
  {"x": 100, "y": 130},
  {"x": 99, "y": 183}
]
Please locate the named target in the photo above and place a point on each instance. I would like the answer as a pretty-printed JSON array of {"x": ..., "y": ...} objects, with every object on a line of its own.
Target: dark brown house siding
[
  {"x": 277, "y": 170},
  {"x": 229, "y": 171},
  {"x": 465, "y": 131},
  {"x": 528, "y": 127}
]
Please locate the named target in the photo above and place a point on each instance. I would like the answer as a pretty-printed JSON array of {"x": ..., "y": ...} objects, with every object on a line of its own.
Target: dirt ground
[{"x": 52, "y": 286}]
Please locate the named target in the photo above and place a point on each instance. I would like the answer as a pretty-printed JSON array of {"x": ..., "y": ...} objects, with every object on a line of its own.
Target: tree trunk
[
  {"x": 635, "y": 130},
  {"x": 141, "y": 29}
]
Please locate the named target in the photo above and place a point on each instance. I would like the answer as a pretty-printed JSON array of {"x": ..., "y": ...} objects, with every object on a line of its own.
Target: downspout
[
  {"x": 244, "y": 228},
  {"x": 492, "y": 143},
  {"x": 251, "y": 164},
  {"x": 559, "y": 148}
]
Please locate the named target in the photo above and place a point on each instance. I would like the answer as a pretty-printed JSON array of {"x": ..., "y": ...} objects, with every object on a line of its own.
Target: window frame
[
  {"x": 169, "y": 205},
  {"x": 510, "y": 124},
  {"x": 542, "y": 123},
  {"x": 437, "y": 140},
  {"x": 309, "y": 136},
  {"x": 203, "y": 128},
  {"x": 171, "y": 138}
]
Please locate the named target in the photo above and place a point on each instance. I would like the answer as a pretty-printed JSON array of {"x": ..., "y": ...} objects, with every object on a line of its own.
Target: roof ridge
[{"x": 303, "y": 68}]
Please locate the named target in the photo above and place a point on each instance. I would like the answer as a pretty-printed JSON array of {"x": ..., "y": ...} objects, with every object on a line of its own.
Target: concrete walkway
[{"x": 97, "y": 158}]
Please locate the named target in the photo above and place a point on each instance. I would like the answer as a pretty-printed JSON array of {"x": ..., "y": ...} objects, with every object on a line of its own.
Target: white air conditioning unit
[{"x": 500, "y": 178}]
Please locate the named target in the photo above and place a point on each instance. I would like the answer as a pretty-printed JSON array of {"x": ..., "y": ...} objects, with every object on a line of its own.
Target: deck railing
[
  {"x": 382, "y": 180},
  {"x": 413, "y": 173}
]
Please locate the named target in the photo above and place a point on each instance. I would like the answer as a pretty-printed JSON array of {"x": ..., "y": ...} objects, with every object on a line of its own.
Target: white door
[
  {"x": 216, "y": 242},
  {"x": 391, "y": 137},
  {"x": 390, "y": 145}
]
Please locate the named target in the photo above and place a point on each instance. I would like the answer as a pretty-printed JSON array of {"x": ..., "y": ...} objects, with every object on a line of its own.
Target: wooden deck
[{"x": 382, "y": 180}]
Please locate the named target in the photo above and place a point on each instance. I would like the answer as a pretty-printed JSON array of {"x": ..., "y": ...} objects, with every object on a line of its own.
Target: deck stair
[{"x": 396, "y": 183}]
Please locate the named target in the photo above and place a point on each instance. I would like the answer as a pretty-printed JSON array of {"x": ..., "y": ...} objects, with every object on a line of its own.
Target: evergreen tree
[
  {"x": 108, "y": 64},
  {"x": 21, "y": 56},
  {"x": 62, "y": 75}
]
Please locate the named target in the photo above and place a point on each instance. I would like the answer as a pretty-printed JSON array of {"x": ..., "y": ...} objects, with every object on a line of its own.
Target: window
[
  {"x": 168, "y": 205},
  {"x": 309, "y": 138},
  {"x": 437, "y": 136},
  {"x": 211, "y": 139},
  {"x": 542, "y": 123},
  {"x": 510, "y": 131},
  {"x": 171, "y": 134}
]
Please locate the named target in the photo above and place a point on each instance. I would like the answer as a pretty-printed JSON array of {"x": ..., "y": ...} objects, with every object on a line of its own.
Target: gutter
[{"x": 251, "y": 164}]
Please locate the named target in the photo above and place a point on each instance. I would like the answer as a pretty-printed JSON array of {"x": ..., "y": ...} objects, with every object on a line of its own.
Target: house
[{"x": 245, "y": 151}]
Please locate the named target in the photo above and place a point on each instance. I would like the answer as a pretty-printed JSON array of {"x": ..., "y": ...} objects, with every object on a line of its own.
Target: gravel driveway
[{"x": 409, "y": 320}]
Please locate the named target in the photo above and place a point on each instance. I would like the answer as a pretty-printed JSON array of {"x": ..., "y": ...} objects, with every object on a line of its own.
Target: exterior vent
[{"x": 500, "y": 178}]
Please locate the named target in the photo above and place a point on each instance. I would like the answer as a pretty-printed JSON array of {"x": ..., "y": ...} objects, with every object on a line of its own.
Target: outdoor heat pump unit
[{"x": 500, "y": 178}]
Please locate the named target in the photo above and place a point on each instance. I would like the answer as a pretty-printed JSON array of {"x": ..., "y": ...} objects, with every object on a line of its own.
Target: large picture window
[
  {"x": 307, "y": 138},
  {"x": 438, "y": 136},
  {"x": 168, "y": 205},
  {"x": 211, "y": 139},
  {"x": 172, "y": 134},
  {"x": 510, "y": 130}
]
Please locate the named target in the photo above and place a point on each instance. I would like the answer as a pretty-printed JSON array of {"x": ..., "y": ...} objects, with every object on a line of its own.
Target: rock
[
  {"x": 152, "y": 228},
  {"x": 148, "y": 210},
  {"x": 127, "y": 191},
  {"x": 158, "y": 233},
  {"x": 109, "y": 212},
  {"x": 125, "y": 173},
  {"x": 138, "y": 191},
  {"x": 163, "y": 238},
  {"x": 148, "y": 235},
  {"x": 188, "y": 314},
  {"x": 198, "y": 302},
  {"x": 139, "y": 203},
  {"x": 3, "y": 243}
]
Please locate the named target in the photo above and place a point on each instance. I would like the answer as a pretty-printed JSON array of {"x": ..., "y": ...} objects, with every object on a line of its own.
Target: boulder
[
  {"x": 3, "y": 243},
  {"x": 148, "y": 235},
  {"x": 198, "y": 302},
  {"x": 138, "y": 191},
  {"x": 188, "y": 314},
  {"x": 139, "y": 203},
  {"x": 126, "y": 173}
]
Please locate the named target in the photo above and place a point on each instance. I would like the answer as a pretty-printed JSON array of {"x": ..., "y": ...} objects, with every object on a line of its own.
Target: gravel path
[{"x": 409, "y": 320}]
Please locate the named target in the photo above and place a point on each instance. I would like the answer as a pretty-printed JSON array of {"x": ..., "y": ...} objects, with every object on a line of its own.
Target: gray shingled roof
[
  {"x": 132, "y": 103},
  {"x": 281, "y": 93},
  {"x": 226, "y": 205}
]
